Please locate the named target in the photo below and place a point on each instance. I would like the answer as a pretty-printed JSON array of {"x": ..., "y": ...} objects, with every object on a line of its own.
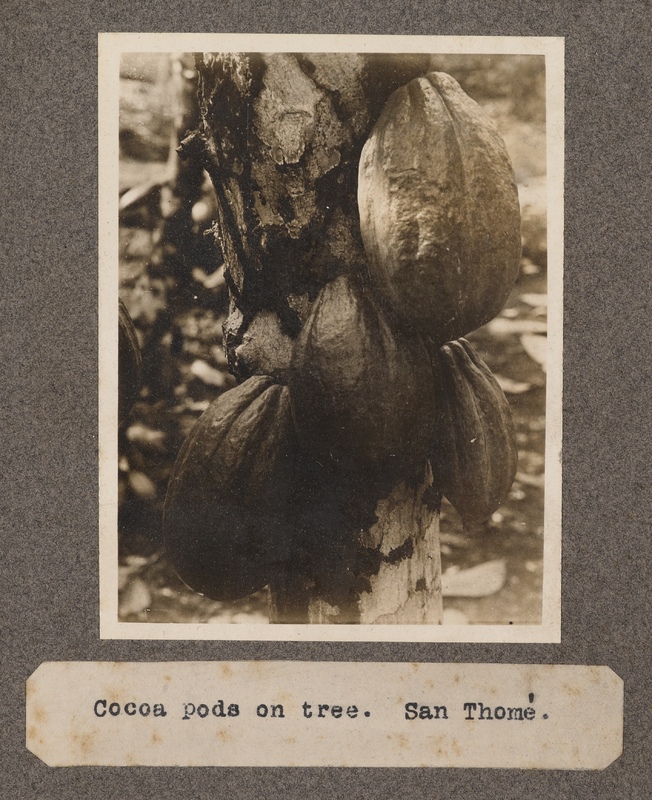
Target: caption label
[{"x": 292, "y": 713}]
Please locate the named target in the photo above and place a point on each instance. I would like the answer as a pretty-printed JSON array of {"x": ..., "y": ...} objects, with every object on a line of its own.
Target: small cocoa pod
[
  {"x": 225, "y": 519},
  {"x": 362, "y": 395},
  {"x": 475, "y": 454},
  {"x": 129, "y": 362},
  {"x": 439, "y": 210}
]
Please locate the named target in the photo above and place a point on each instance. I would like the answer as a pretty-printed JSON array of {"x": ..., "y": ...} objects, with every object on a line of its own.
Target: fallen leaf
[
  {"x": 137, "y": 194},
  {"x": 534, "y": 300},
  {"x": 124, "y": 573},
  {"x": 512, "y": 387},
  {"x": 479, "y": 581},
  {"x": 218, "y": 354},
  {"x": 537, "y": 348},
  {"x": 528, "y": 267},
  {"x": 253, "y": 618},
  {"x": 141, "y": 434},
  {"x": 136, "y": 562},
  {"x": 504, "y": 327},
  {"x": 455, "y": 539},
  {"x": 452, "y": 616},
  {"x": 212, "y": 281},
  {"x": 537, "y": 481},
  {"x": 135, "y": 598},
  {"x": 198, "y": 405},
  {"x": 142, "y": 486},
  {"x": 207, "y": 374},
  {"x": 202, "y": 213}
]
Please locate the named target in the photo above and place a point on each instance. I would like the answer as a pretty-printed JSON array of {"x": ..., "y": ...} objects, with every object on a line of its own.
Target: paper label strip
[{"x": 288, "y": 713}]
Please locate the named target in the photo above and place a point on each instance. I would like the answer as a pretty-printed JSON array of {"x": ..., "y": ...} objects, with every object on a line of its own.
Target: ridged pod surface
[
  {"x": 225, "y": 519},
  {"x": 129, "y": 362},
  {"x": 439, "y": 210},
  {"x": 362, "y": 395},
  {"x": 475, "y": 454}
]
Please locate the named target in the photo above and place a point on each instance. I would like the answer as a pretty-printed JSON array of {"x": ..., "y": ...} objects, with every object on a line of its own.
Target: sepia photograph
[{"x": 330, "y": 346}]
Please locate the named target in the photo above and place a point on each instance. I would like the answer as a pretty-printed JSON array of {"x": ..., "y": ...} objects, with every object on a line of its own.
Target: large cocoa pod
[
  {"x": 362, "y": 395},
  {"x": 129, "y": 362},
  {"x": 225, "y": 521},
  {"x": 475, "y": 454},
  {"x": 439, "y": 210}
]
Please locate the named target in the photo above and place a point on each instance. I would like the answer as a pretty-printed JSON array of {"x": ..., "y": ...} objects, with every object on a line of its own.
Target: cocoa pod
[
  {"x": 129, "y": 363},
  {"x": 475, "y": 454},
  {"x": 439, "y": 210},
  {"x": 362, "y": 395},
  {"x": 225, "y": 519}
]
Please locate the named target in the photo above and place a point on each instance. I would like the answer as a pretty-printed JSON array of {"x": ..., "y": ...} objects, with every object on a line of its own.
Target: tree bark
[{"x": 281, "y": 136}]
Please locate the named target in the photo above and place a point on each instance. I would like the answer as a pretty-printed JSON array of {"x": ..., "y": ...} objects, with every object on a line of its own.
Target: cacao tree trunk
[{"x": 281, "y": 136}]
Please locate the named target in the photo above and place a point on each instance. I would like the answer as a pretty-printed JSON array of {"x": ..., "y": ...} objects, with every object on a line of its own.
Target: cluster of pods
[{"x": 381, "y": 381}]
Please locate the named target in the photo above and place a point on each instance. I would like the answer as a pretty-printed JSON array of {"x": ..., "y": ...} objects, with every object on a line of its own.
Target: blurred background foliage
[{"x": 175, "y": 292}]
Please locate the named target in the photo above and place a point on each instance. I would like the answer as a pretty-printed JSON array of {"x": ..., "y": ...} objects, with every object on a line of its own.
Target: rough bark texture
[
  {"x": 281, "y": 138},
  {"x": 363, "y": 560}
]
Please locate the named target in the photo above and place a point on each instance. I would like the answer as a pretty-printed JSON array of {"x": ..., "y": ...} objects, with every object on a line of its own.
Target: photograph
[{"x": 330, "y": 337}]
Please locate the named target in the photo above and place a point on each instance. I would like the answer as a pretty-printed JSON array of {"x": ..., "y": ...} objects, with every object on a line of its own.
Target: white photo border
[{"x": 110, "y": 48}]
